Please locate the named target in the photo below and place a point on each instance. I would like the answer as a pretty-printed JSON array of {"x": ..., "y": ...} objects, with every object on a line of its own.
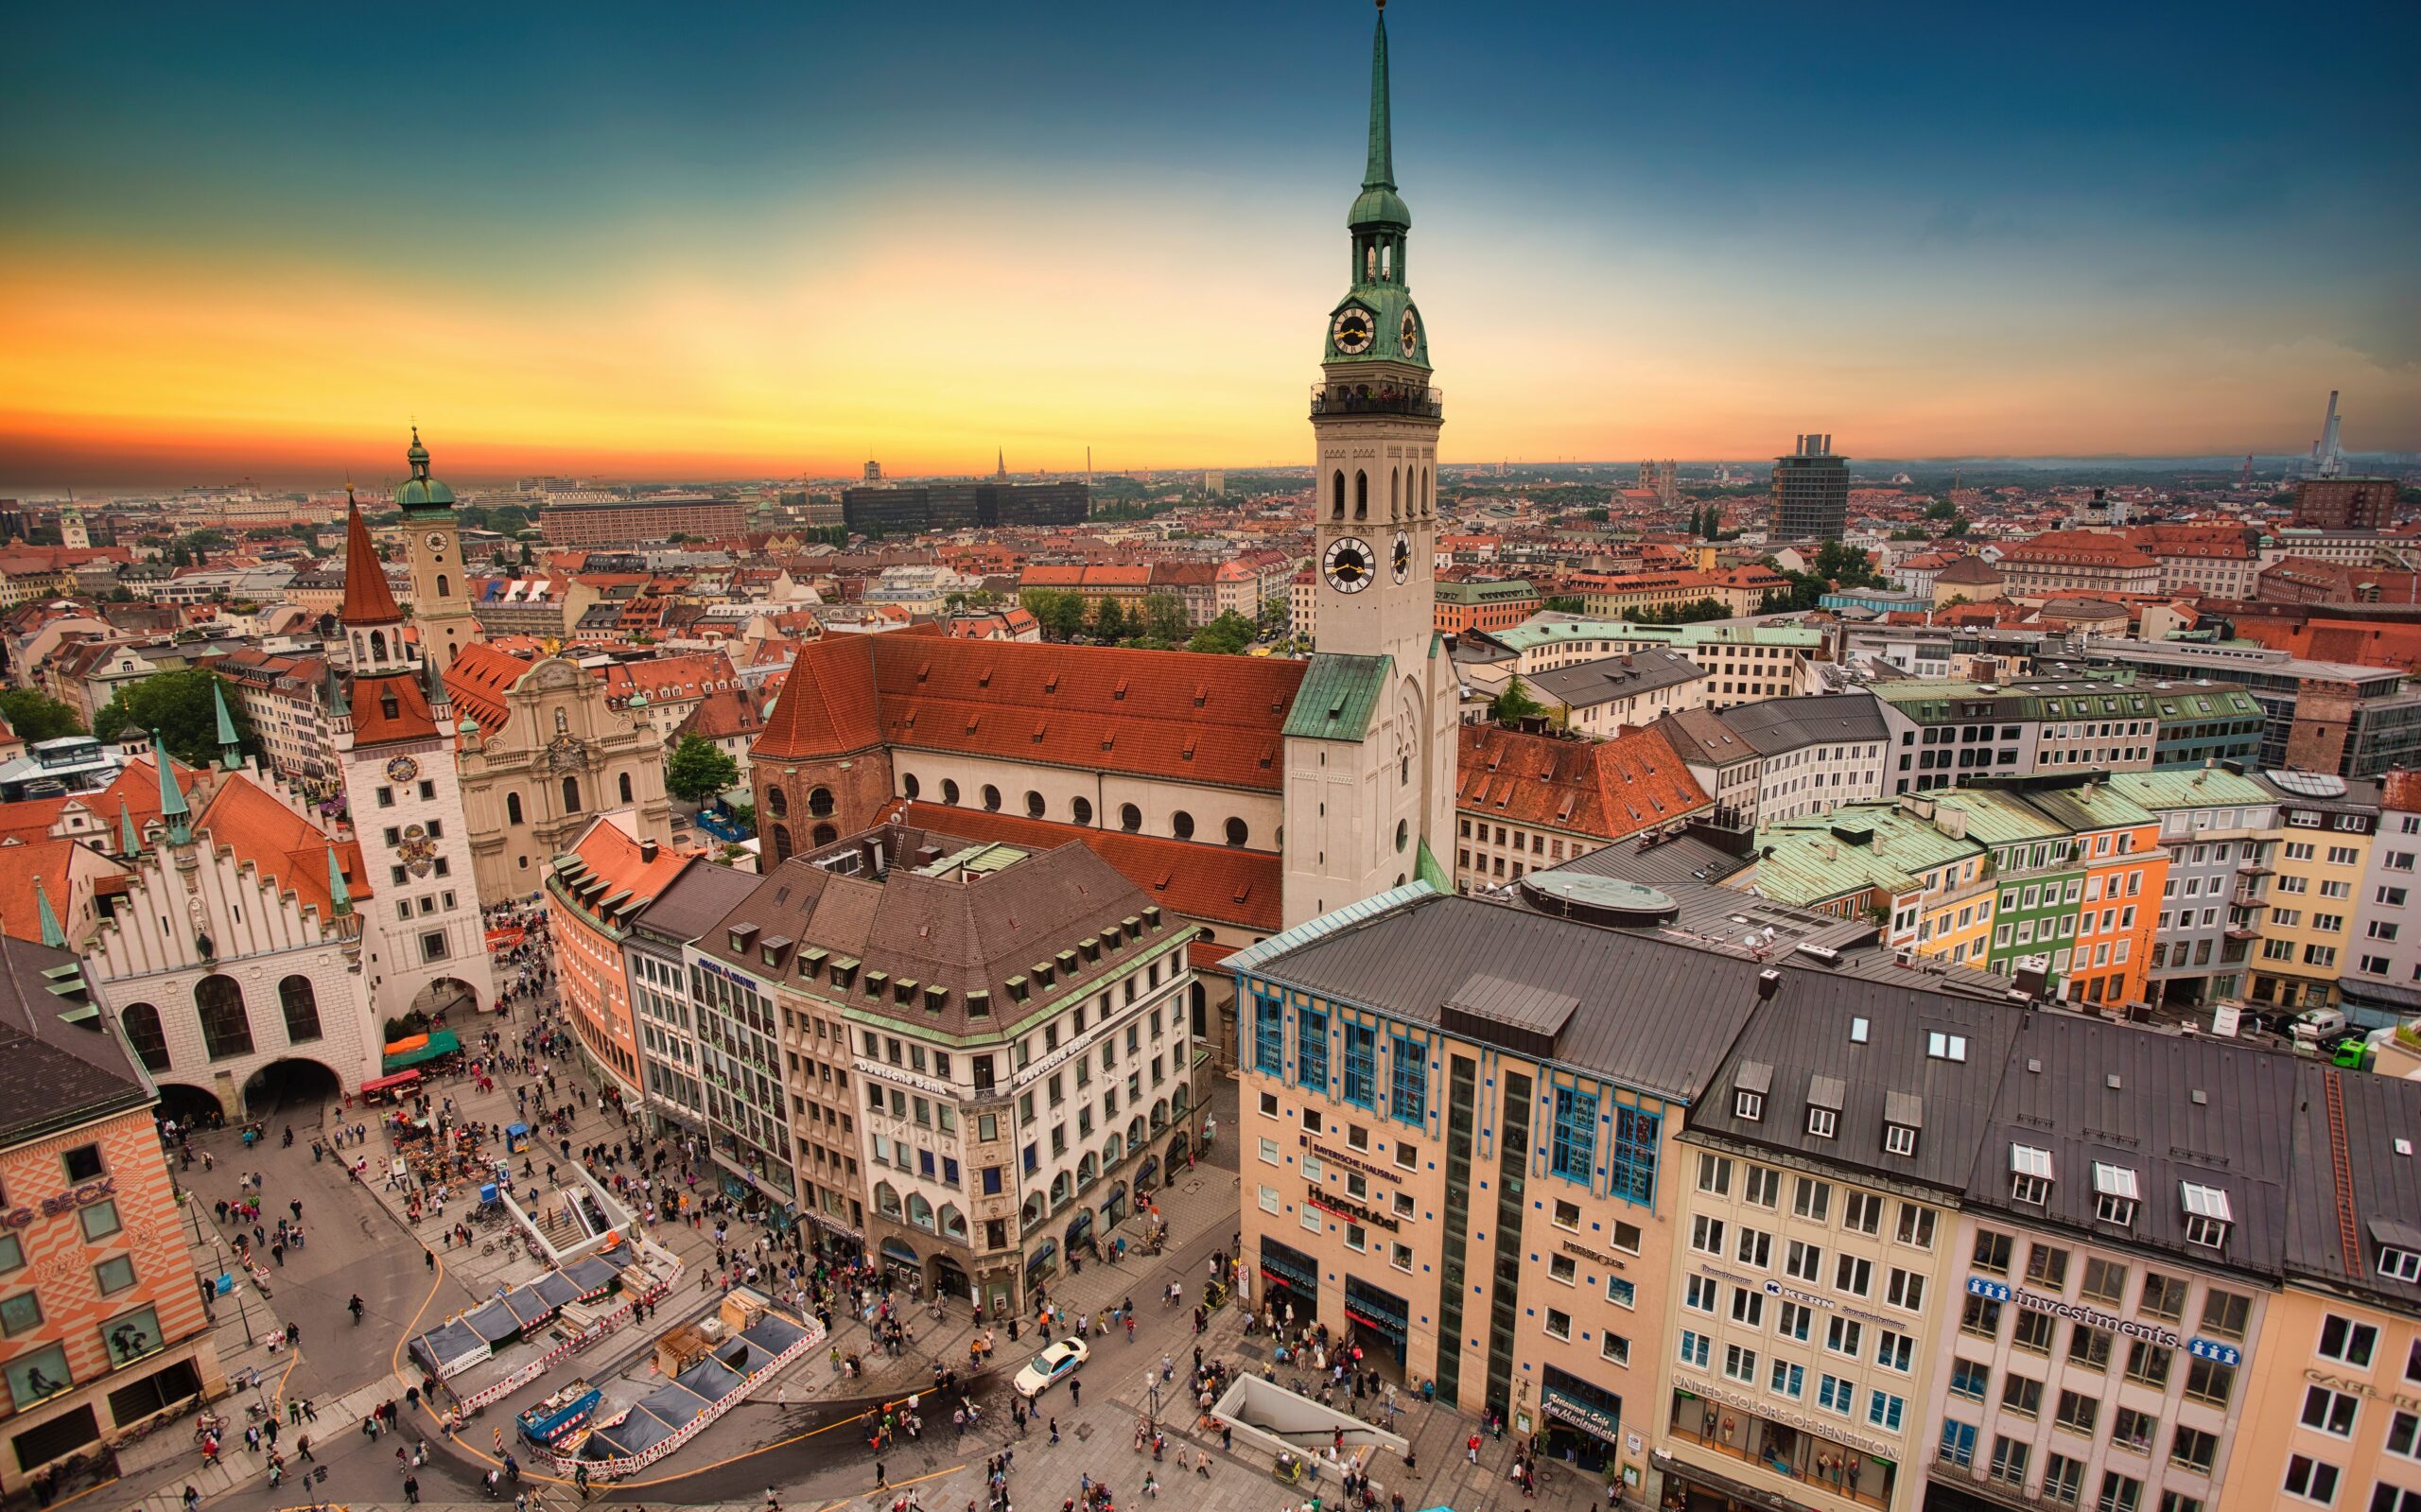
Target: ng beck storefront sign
[
  {"x": 65, "y": 1202},
  {"x": 2226, "y": 1354}
]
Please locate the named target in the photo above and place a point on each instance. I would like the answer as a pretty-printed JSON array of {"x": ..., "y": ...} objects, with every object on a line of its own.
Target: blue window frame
[
  {"x": 1269, "y": 1036},
  {"x": 1408, "y": 1080},
  {"x": 1957, "y": 1442},
  {"x": 1634, "y": 1171},
  {"x": 1576, "y": 1134},
  {"x": 1360, "y": 1065},
  {"x": 1693, "y": 1348},
  {"x": 1833, "y": 1394},
  {"x": 1311, "y": 1047},
  {"x": 1884, "y": 1409},
  {"x": 1969, "y": 1378},
  {"x": 1789, "y": 1380}
]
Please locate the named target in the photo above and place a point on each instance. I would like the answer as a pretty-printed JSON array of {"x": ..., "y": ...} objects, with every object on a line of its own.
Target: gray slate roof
[
  {"x": 2168, "y": 1107},
  {"x": 54, "y": 1074},
  {"x": 687, "y": 906},
  {"x": 1611, "y": 677},
  {"x": 1778, "y": 726},
  {"x": 2375, "y": 1200}
]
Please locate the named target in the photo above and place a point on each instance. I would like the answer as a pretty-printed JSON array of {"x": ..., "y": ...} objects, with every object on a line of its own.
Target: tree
[
  {"x": 1059, "y": 613},
  {"x": 1845, "y": 565},
  {"x": 1514, "y": 704},
  {"x": 1162, "y": 619},
  {"x": 1109, "y": 622},
  {"x": 1566, "y": 603},
  {"x": 1228, "y": 635},
  {"x": 698, "y": 770},
  {"x": 181, "y": 706},
  {"x": 1940, "y": 509},
  {"x": 38, "y": 716}
]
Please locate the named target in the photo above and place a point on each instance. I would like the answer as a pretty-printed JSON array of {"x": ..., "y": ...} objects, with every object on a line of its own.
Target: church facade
[{"x": 1339, "y": 769}]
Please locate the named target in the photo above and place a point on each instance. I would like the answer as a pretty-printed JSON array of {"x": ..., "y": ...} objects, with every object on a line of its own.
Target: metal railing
[{"x": 1378, "y": 399}]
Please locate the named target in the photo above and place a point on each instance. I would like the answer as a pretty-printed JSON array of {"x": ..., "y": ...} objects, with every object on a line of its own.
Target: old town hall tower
[{"x": 1371, "y": 739}]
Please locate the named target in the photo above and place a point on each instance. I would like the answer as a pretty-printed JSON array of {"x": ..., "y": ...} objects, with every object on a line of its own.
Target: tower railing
[{"x": 1422, "y": 403}]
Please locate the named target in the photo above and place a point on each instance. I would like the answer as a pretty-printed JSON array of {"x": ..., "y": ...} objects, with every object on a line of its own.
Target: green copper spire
[
  {"x": 1379, "y": 204},
  {"x": 172, "y": 798},
  {"x": 52, "y": 935},
  {"x": 337, "y": 892},
  {"x": 1381, "y": 173},
  {"x": 129, "y": 838},
  {"x": 228, "y": 755}
]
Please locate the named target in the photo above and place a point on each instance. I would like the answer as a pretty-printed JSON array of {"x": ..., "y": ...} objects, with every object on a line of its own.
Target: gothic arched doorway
[{"x": 288, "y": 1085}]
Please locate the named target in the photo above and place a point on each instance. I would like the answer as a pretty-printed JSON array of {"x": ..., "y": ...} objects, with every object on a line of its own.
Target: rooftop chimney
[{"x": 647, "y": 850}]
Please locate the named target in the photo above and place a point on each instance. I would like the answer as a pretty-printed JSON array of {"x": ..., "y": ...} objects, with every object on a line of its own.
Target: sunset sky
[{"x": 725, "y": 241}]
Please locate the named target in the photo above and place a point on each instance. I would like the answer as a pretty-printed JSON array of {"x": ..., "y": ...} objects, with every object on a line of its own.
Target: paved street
[{"x": 359, "y": 1241}]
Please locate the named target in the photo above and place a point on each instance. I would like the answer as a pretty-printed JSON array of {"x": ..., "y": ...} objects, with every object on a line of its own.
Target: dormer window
[
  {"x": 2030, "y": 1175},
  {"x": 2399, "y": 1264},
  {"x": 2114, "y": 1194},
  {"x": 1748, "y": 1090},
  {"x": 1825, "y": 1095},
  {"x": 1822, "y": 1123},
  {"x": 2208, "y": 1217},
  {"x": 1900, "y": 1139},
  {"x": 1750, "y": 1106}
]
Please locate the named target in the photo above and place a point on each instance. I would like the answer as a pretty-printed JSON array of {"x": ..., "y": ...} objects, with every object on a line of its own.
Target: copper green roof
[
  {"x": 2191, "y": 787},
  {"x": 1995, "y": 818},
  {"x": 1542, "y": 630},
  {"x": 1379, "y": 204},
  {"x": 420, "y": 491},
  {"x": 1337, "y": 697},
  {"x": 1819, "y": 857}
]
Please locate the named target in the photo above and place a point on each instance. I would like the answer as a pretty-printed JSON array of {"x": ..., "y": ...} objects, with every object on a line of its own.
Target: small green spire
[
  {"x": 129, "y": 838},
  {"x": 1381, "y": 172},
  {"x": 172, "y": 798},
  {"x": 52, "y": 935},
  {"x": 229, "y": 755},
  {"x": 337, "y": 891}
]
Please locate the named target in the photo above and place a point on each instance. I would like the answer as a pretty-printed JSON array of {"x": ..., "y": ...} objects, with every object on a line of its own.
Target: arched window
[
  {"x": 1237, "y": 832},
  {"x": 377, "y": 645},
  {"x": 1404, "y": 834},
  {"x": 920, "y": 1212},
  {"x": 1135, "y": 1130},
  {"x": 819, "y": 803},
  {"x": 1130, "y": 818},
  {"x": 1060, "y": 1192},
  {"x": 1179, "y": 1101},
  {"x": 1428, "y": 494},
  {"x": 1082, "y": 808},
  {"x": 1181, "y": 824},
  {"x": 512, "y": 809},
  {"x": 1112, "y": 1151},
  {"x": 143, "y": 1032},
  {"x": 1032, "y": 1211},
  {"x": 444, "y": 589},
  {"x": 1159, "y": 1115},
  {"x": 1360, "y": 494},
  {"x": 781, "y": 843},
  {"x": 886, "y": 1199},
  {"x": 1087, "y": 1171},
  {"x": 953, "y": 1222},
  {"x": 302, "y": 1007},
  {"x": 1033, "y": 804},
  {"x": 1395, "y": 491},
  {"x": 910, "y": 786},
  {"x": 624, "y": 783},
  {"x": 1336, "y": 497},
  {"x": 824, "y": 835},
  {"x": 571, "y": 795},
  {"x": 777, "y": 803},
  {"x": 991, "y": 799},
  {"x": 226, "y": 1029},
  {"x": 949, "y": 792}
]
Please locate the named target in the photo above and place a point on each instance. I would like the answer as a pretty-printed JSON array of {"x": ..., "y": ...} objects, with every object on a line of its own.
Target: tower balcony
[{"x": 1420, "y": 402}]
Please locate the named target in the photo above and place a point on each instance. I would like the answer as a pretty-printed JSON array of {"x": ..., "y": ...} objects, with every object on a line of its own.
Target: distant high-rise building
[
  {"x": 1811, "y": 492},
  {"x": 2338, "y": 503},
  {"x": 1214, "y": 482},
  {"x": 954, "y": 506},
  {"x": 874, "y": 472}
]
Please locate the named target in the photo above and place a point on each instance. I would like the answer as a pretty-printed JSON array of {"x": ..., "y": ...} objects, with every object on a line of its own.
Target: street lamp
[{"x": 1152, "y": 1392}]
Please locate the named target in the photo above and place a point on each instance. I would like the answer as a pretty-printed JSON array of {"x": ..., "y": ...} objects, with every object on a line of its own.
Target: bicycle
[{"x": 488, "y": 1248}]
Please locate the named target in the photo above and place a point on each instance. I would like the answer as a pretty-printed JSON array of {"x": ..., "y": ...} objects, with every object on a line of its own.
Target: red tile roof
[
  {"x": 372, "y": 722},
  {"x": 1217, "y": 884},
  {"x": 54, "y": 861},
  {"x": 286, "y": 849},
  {"x": 828, "y": 704},
  {"x": 478, "y": 681},
  {"x": 1605, "y": 789},
  {"x": 367, "y": 598}
]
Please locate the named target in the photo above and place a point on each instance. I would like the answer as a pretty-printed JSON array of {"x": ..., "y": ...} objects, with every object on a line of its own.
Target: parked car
[{"x": 1050, "y": 1368}]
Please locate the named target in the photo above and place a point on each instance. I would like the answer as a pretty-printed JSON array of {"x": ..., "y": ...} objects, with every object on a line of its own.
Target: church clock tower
[
  {"x": 433, "y": 546},
  {"x": 1371, "y": 741}
]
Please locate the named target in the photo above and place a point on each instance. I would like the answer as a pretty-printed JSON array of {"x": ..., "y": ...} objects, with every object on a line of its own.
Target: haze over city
[{"x": 252, "y": 244}]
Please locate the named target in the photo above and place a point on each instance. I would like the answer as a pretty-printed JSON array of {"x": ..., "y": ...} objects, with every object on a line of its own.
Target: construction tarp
[
  {"x": 450, "y": 1348},
  {"x": 494, "y": 1322},
  {"x": 591, "y": 1275}
]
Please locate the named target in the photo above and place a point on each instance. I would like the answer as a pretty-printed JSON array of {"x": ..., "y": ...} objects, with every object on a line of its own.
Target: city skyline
[{"x": 755, "y": 247}]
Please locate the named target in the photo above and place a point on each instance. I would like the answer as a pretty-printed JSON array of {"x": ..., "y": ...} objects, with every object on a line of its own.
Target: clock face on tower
[
  {"x": 1353, "y": 331},
  {"x": 1349, "y": 564},
  {"x": 1411, "y": 333},
  {"x": 402, "y": 769},
  {"x": 1401, "y": 559},
  {"x": 436, "y": 541}
]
